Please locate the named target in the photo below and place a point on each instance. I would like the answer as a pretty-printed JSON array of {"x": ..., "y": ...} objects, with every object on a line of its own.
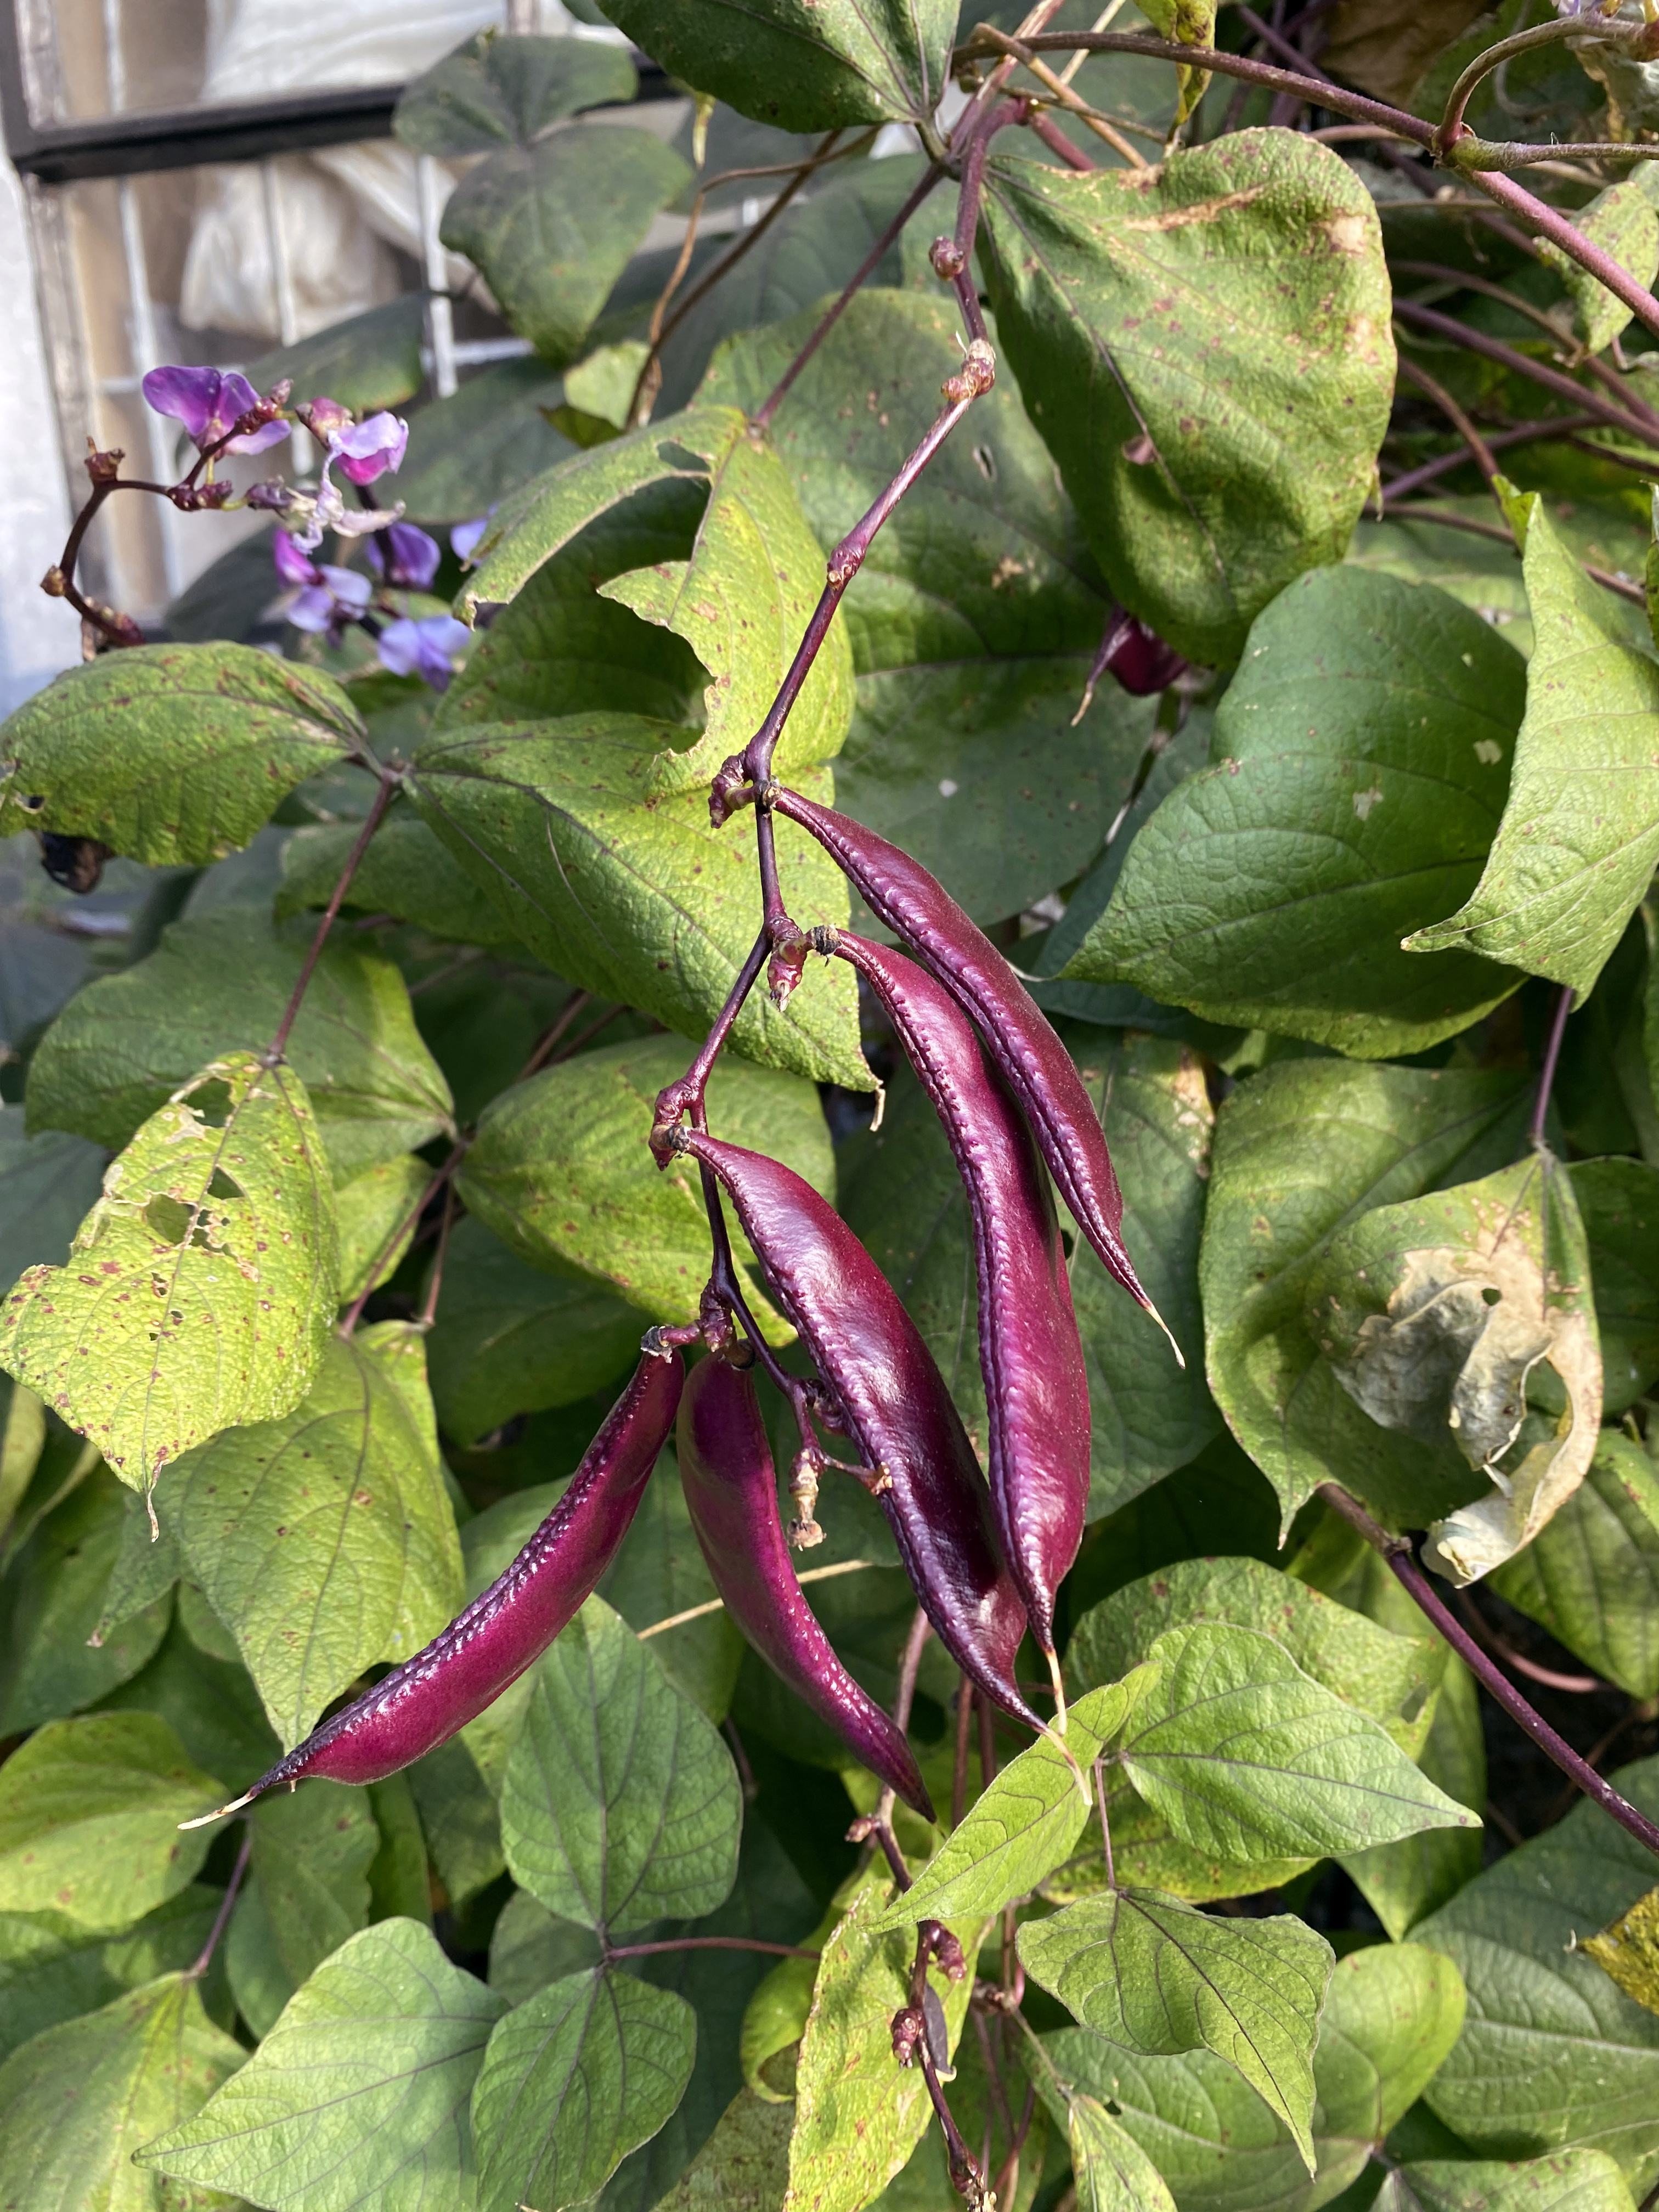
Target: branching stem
[
  {"x": 1522, "y": 364},
  {"x": 1589, "y": 31},
  {"x": 390, "y": 778}
]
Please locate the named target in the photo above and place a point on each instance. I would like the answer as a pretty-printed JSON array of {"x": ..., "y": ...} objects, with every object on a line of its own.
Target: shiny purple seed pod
[
  {"x": 895, "y": 1405},
  {"x": 1139, "y": 658},
  {"x": 506, "y": 1627},
  {"x": 1036, "y": 1390},
  {"x": 920, "y": 911},
  {"x": 731, "y": 1489}
]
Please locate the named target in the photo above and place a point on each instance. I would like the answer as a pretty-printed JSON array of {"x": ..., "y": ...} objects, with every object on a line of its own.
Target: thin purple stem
[
  {"x": 1571, "y": 240},
  {"x": 355, "y": 1313},
  {"x": 1398, "y": 1552},
  {"x": 1538, "y": 372},
  {"x": 1552, "y": 1054},
  {"x": 707, "y": 1943},
  {"x": 1055, "y": 140},
  {"x": 278, "y": 1044},
  {"x": 1452, "y": 125},
  {"x": 855, "y": 284},
  {"x": 204, "y": 1957},
  {"x": 1413, "y": 479}
]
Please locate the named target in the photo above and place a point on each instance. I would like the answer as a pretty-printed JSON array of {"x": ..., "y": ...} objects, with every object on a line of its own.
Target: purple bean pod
[
  {"x": 731, "y": 1489},
  {"x": 920, "y": 911},
  {"x": 1037, "y": 1391},
  {"x": 1138, "y": 658},
  {"x": 895, "y": 1405},
  {"x": 422, "y": 1703}
]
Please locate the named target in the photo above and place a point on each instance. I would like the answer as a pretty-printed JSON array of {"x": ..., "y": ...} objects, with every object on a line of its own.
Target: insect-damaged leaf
[
  {"x": 1205, "y": 346},
  {"x": 1628, "y": 1949},
  {"x": 326, "y": 1538},
  {"x": 200, "y": 1288},
  {"x": 171, "y": 752},
  {"x": 1158, "y": 1978},
  {"x": 1580, "y": 833},
  {"x": 1437, "y": 1316}
]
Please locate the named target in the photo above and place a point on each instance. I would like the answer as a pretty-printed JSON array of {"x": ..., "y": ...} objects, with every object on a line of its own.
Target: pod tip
[
  {"x": 1060, "y": 1693},
  {"x": 220, "y": 1812},
  {"x": 1180, "y": 1357}
]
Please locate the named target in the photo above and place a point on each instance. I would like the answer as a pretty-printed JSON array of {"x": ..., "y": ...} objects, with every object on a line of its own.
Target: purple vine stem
[
  {"x": 278, "y": 1045},
  {"x": 1546, "y": 1076},
  {"x": 1401, "y": 1557},
  {"x": 204, "y": 1957}
]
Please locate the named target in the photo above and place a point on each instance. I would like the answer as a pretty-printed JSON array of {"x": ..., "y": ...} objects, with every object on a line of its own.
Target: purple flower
[
  {"x": 466, "y": 535},
  {"x": 292, "y": 564},
  {"x": 308, "y": 516},
  {"x": 423, "y": 648},
  {"x": 208, "y": 402},
  {"x": 367, "y": 450},
  {"x": 323, "y": 599},
  {"x": 406, "y": 556}
]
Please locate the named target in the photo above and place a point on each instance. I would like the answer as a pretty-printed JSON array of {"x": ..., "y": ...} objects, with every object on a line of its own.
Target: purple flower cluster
[{"x": 327, "y": 601}]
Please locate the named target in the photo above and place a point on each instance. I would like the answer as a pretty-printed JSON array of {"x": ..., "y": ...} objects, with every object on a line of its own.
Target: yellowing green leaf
[
  {"x": 1628, "y": 1949},
  {"x": 377, "y": 1213}
]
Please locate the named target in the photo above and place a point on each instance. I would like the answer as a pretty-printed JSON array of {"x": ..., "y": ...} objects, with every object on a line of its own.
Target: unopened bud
[
  {"x": 103, "y": 468},
  {"x": 977, "y": 375},
  {"x": 804, "y": 1531},
  {"x": 54, "y": 583},
  {"x": 946, "y": 256},
  {"x": 944, "y": 1949},
  {"x": 908, "y": 2028}
]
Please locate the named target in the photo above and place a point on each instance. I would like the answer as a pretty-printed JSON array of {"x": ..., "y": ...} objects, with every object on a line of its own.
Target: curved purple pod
[
  {"x": 731, "y": 1489},
  {"x": 422, "y": 1704},
  {"x": 897, "y": 1408},
  {"x": 918, "y": 910},
  {"x": 1037, "y": 1391}
]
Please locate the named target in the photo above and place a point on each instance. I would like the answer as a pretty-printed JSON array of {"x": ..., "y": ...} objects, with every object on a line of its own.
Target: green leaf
[
  {"x": 89, "y": 1813},
  {"x": 1157, "y": 1977},
  {"x": 78, "y": 2102},
  {"x": 563, "y": 1173},
  {"x": 529, "y": 1947},
  {"x": 1358, "y": 771},
  {"x": 976, "y": 615},
  {"x": 367, "y": 362},
  {"x": 1628, "y": 1950},
  {"x": 496, "y": 91},
  {"x": 218, "y": 985},
  {"x": 1244, "y": 1753},
  {"x": 1021, "y": 1828},
  {"x": 326, "y": 1541},
  {"x": 399, "y": 1881},
  {"x": 1580, "y": 833},
  {"x": 1302, "y": 1150},
  {"x": 1205, "y": 347},
  {"x": 308, "y": 1890},
  {"x": 1591, "y": 1574},
  {"x": 621, "y": 1803},
  {"x": 573, "y": 2081},
  {"x": 803, "y": 65},
  {"x": 510, "y": 1339},
  {"x": 208, "y": 1702},
  {"x": 377, "y": 1213},
  {"x": 1393, "y": 1677},
  {"x": 1439, "y": 1315},
  {"x": 634, "y": 898},
  {"x": 1618, "y": 1205},
  {"x": 1391, "y": 2014},
  {"x": 378, "y": 2052},
  {"x": 660, "y": 1573},
  {"x": 48, "y": 1185},
  {"x": 484, "y": 441},
  {"x": 171, "y": 752},
  {"x": 51, "y": 1969},
  {"x": 1622, "y": 223},
  {"x": 1110, "y": 2170},
  {"x": 1574, "y": 2181},
  {"x": 459, "y": 1820},
  {"x": 744, "y": 2164},
  {"x": 1554, "y": 2054},
  {"x": 229, "y": 1221},
  {"x": 553, "y": 224},
  {"x": 53, "y": 1598},
  {"x": 858, "y": 2116},
  {"x": 407, "y": 873}
]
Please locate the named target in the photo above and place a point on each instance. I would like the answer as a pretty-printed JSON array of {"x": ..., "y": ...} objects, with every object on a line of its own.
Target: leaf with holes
[{"x": 200, "y": 1288}]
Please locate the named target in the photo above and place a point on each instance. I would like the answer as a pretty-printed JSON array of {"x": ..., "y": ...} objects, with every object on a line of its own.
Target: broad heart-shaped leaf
[
  {"x": 496, "y": 91},
  {"x": 1580, "y": 833},
  {"x": 325, "y": 1540},
  {"x": 805, "y": 65},
  {"x": 1391, "y": 2014},
  {"x": 89, "y": 1813},
  {"x": 171, "y": 752},
  {"x": 217, "y": 985},
  {"x": 368, "y": 361},
  {"x": 552, "y": 225},
  {"x": 1205, "y": 347},
  {"x": 1393, "y": 1677},
  {"x": 1553, "y": 2053},
  {"x": 1438, "y": 1315},
  {"x": 562, "y": 1173},
  {"x": 1359, "y": 766},
  {"x": 1158, "y": 1978},
  {"x": 1302, "y": 1150},
  {"x": 1591, "y": 1574},
  {"x": 510, "y": 1340},
  {"x": 199, "y": 1289},
  {"x": 407, "y": 872},
  {"x": 620, "y": 1804},
  {"x": 79, "y": 2100},
  {"x": 740, "y": 599},
  {"x": 1243, "y": 1754},
  {"x": 47, "y": 1186},
  {"x": 307, "y": 1892},
  {"x": 1571, "y": 2181},
  {"x": 858, "y": 2115},
  {"x": 358, "y": 2095},
  {"x": 976, "y": 615},
  {"x": 1110, "y": 2170},
  {"x": 634, "y": 896},
  {"x": 1020, "y": 1829},
  {"x": 1618, "y": 1205},
  {"x": 574, "y": 2079}
]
